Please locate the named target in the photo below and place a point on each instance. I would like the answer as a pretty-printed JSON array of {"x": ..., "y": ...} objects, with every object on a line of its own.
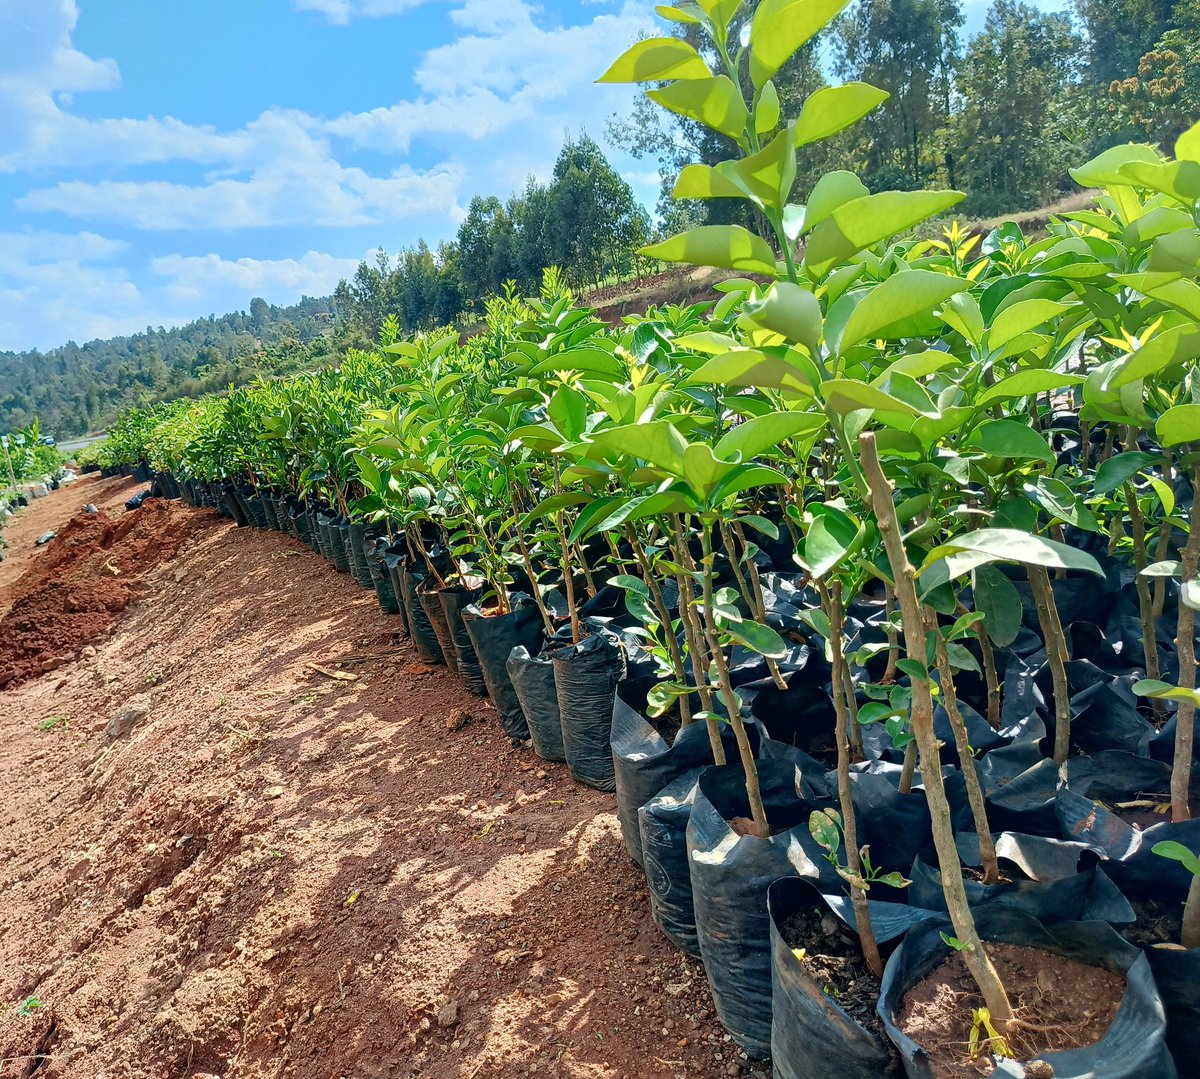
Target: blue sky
[{"x": 162, "y": 160}]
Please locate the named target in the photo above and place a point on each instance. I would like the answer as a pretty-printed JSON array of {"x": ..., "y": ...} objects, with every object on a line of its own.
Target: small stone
[
  {"x": 1039, "y": 1069},
  {"x": 732, "y": 1068},
  {"x": 378, "y": 957},
  {"x": 87, "y": 651},
  {"x": 829, "y": 926},
  {"x": 530, "y": 838},
  {"x": 273, "y": 792},
  {"x": 128, "y": 717},
  {"x": 457, "y": 719},
  {"x": 447, "y": 1015},
  {"x": 180, "y": 574},
  {"x": 473, "y": 995}
]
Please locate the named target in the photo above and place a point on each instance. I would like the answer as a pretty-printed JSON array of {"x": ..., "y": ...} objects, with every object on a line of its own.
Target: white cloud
[
  {"x": 293, "y": 179},
  {"x": 340, "y": 12},
  {"x": 54, "y": 286},
  {"x": 58, "y": 286},
  {"x": 193, "y": 279}
]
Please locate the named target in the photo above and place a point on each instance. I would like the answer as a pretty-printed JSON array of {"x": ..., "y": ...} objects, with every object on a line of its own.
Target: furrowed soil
[{"x": 217, "y": 860}]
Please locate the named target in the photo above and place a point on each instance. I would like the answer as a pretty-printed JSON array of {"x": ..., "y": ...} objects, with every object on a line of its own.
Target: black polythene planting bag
[
  {"x": 494, "y": 638},
  {"x": 730, "y": 876},
  {"x": 424, "y": 637},
  {"x": 1049, "y": 879},
  {"x": 431, "y": 603},
  {"x": 1177, "y": 975},
  {"x": 585, "y": 678},
  {"x": 270, "y": 512},
  {"x": 662, "y": 824},
  {"x": 643, "y": 761},
  {"x": 394, "y": 562},
  {"x": 812, "y": 1037},
  {"x": 533, "y": 681},
  {"x": 1133, "y": 1048},
  {"x": 374, "y": 551},
  {"x": 353, "y": 534},
  {"x": 454, "y": 601}
]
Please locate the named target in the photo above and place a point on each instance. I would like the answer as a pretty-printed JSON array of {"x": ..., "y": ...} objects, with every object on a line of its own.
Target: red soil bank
[{"x": 70, "y": 597}]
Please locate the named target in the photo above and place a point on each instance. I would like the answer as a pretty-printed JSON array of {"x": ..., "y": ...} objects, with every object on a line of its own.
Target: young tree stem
[
  {"x": 695, "y": 643},
  {"x": 831, "y": 600},
  {"x": 1056, "y": 656},
  {"x": 664, "y": 614},
  {"x": 966, "y": 759},
  {"x": 732, "y": 705},
  {"x": 1145, "y": 600},
  {"x": 1185, "y": 646},
  {"x": 973, "y": 953}
]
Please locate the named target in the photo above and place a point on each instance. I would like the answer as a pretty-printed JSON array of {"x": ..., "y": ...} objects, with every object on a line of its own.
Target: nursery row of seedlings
[{"x": 870, "y": 589}]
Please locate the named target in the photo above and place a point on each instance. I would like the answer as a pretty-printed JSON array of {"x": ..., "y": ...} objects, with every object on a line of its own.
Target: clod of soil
[
  {"x": 1060, "y": 1004},
  {"x": 71, "y": 596}
]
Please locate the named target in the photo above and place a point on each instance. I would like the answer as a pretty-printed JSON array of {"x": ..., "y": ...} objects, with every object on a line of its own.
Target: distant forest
[{"x": 1001, "y": 115}]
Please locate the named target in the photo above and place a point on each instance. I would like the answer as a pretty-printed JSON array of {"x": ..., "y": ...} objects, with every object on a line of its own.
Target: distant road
[{"x": 73, "y": 444}]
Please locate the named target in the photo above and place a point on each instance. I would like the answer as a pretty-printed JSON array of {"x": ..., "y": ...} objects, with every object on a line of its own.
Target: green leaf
[
  {"x": 1177, "y": 852},
  {"x": 705, "y": 182},
  {"x": 760, "y": 524},
  {"x": 729, "y": 247},
  {"x": 604, "y": 515},
  {"x": 754, "y": 635},
  {"x": 835, "y": 108},
  {"x": 1179, "y": 424},
  {"x": 1105, "y": 170},
  {"x": 757, "y": 435},
  {"x": 714, "y": 102},
  {"x": 658, "y": 442},
  {"x": 768, "y": 110},
  {"x": 629, "y": 583},
  {"x": 749, "y": 367},
  {"x": 657, "y": 58},
  {"x": 846, "y": 395},
  {"x": 720, "y": 11},
  {"x": 831, "y": 538},
  {"x": 971, "y": 549},
  {"x": 1170, "y": 348},
  {"x": 1120, "y": 468},
  {"x": 1025, "y": 384},
  {"x": 679, "y": 15},
  {"x": 780, "y": 27},
  {"x": 1164, "y": 691},
  {"x": 899, "y": 297},
  {"x": 1011, "y": 439},
  {"x": 1021, "y": 318},
  {"x": 568, "y": 411},
  {"x": 865, "y": 221},
  {"x": 790, "y": 310},
  {"x": 1059, "y": 501},
  {"x": 825, "y": 830},
  {"x": 1000, "y": 602},
  {"x": 1187, "y": 146},
  {"x": 914, "y": 668},
  {"x": 1167, "y": 568},
  {"x": 596, "y": 361},
  {"x": 832, "y": 190},
  {"x": 767, "y": 176}
]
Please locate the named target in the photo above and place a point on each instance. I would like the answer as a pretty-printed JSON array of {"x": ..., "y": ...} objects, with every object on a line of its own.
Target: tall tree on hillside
[
  {"x": 530, "y": 213},
  {"x": 1117, "y": 33},
  {"x": 908, "y": 48},
  {"x": 594, "y": 221},
  {"x": 486, "y": 244},
  {"x": 1162, "y": 99},
  {"x": 1016, "y": 83}
]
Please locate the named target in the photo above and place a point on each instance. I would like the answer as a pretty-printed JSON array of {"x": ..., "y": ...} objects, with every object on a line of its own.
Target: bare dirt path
[{"x": 262, "y": 871}]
